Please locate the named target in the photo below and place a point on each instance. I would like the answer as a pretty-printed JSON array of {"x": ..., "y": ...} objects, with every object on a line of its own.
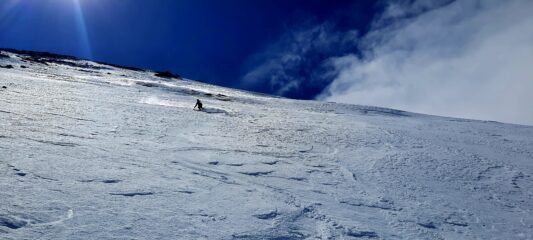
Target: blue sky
[
  {"x": 213, "y": 41},
  {"x": 468, "y": 58}
]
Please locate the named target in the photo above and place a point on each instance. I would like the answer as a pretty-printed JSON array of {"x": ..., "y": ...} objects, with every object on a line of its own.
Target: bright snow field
[{"x": 92, "y": 151}]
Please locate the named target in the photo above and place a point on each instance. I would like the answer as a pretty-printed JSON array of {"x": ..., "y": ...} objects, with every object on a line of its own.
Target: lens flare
[{"x": 82, "y": 30}]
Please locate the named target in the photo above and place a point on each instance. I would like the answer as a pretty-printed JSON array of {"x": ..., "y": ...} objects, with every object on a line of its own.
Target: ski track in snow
[{"x": 111, "y": 153}]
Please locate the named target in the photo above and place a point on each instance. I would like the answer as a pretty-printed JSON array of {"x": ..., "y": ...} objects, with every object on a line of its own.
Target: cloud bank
[
  {"x": 468, "y": 58},
  {"x": 471, "y": 59}
]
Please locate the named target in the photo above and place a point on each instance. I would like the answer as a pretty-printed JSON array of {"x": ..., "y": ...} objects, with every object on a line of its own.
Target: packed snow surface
[{"x": 93, "y": 151}]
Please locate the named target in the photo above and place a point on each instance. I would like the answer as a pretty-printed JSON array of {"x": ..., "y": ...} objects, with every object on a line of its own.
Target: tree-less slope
[{"x": 94, "y": 151}]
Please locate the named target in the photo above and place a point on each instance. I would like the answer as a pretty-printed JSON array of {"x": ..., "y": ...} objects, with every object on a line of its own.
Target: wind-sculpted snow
[{"x": 106, "y": 152}]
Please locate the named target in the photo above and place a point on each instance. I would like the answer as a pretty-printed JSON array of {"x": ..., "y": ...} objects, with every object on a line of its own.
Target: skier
[{"x": 198, "y": 104}]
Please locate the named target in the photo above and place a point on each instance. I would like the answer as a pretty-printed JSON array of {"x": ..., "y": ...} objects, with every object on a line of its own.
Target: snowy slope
[{"x": 91, "y": 151}]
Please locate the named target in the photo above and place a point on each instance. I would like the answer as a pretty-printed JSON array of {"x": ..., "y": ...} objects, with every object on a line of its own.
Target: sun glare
[
  {"x": 82, "y": 30},
  {"x": 10, "y": 9}
]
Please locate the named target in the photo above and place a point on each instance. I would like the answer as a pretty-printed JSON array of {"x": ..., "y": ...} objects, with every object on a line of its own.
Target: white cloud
[{"x": 469, "y": 58}]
